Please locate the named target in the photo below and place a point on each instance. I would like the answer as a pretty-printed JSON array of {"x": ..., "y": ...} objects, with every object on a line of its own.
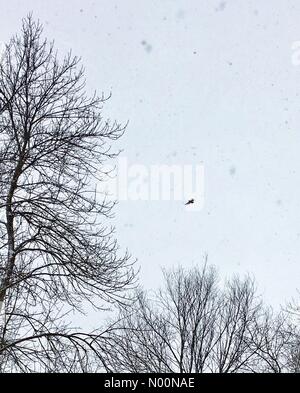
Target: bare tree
[
  {"x": 292, "y": 332},
  {"x": 192, "y": 325},
  {"x": 56, "y": 250}
]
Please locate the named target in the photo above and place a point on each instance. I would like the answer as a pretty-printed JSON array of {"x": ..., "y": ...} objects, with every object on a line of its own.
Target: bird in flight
[{"x": 190, "y": 202}]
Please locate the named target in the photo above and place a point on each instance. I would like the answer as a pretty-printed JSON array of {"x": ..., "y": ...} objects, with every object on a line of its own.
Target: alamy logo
[
  {"x": 133, "y": 182},
  {"x": 296, "y": 53}
]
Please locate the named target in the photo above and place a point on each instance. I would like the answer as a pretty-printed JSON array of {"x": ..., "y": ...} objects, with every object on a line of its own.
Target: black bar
[{"x": 152, "y": 382}]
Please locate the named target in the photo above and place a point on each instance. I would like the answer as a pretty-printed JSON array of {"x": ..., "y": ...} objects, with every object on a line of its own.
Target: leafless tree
[
  {"x": 291, "y": 330},
  {"x": 56, "y": 249},
  {"x": 192, "y": 325}
]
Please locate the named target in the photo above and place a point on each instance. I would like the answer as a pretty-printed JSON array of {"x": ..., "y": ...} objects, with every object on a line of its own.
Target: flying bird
[{"x": 190, "y": 202}]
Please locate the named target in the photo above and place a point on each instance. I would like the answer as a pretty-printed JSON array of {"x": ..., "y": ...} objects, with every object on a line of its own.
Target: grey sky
[{"x": 200, "y": 81}]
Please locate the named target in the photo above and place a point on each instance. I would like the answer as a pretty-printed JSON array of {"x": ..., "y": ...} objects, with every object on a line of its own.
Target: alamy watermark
[
  {"x": 158, "y": 182},
  {"x": 295, "y": 58}
]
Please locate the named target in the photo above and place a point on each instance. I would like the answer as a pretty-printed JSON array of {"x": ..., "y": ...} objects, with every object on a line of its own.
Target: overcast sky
[{"x": 210, "y": 82}]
